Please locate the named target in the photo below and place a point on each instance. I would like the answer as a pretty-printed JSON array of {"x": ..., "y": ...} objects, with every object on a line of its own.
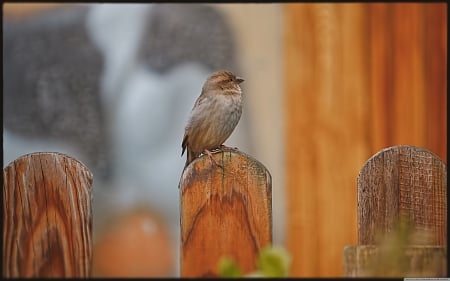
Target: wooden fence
[
  {"x": 47, "y": 217},
  {"x": 225, "y": 212},
  {"x": 358, "y": 77},
  {"x": 401, "y": 185}
]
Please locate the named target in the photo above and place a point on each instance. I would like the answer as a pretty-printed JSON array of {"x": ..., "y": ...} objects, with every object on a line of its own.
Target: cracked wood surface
[
  {"x": 224, "y": 212},
  {"x": 47, "y": 217},
  {"x": 402, "y": 181},
  {"x": 400, "y": 184}
]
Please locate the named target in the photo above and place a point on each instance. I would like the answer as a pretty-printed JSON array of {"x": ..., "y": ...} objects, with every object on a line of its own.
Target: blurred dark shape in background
[{"x": 112, "y": 85}]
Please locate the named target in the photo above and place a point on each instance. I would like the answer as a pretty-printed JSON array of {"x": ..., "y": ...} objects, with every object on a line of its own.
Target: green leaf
[
  {"x": 274, "y": 262},
  {"x": 228, "y": 268}
]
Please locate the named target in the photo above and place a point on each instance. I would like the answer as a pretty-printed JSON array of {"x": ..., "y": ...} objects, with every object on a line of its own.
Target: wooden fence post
[
  {"x": 401, "y": 182},
  {"x": 224, "y": 213},
  {"x": 47, "y": 217}
]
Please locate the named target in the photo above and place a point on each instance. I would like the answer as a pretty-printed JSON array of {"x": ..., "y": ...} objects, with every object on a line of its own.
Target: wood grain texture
[
  {"x": 418, "y": 261},
  {"x": 381, "y": 57},
  {"x": 435, "y": 62},
  {"x": 47, "y": 217},
  {"x": 409, "y": 93},
  {"x": 327, "y": 133},
  {"x": 402, "y": 181},
  {"x": 358, "y": 78},
  {"x": 400, "y": 184},
  {"x": 408, "y": 70},
  {"x": 224, "y": 213}
]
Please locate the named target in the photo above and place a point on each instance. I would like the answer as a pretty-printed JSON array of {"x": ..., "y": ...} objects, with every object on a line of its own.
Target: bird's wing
[
  {"x": 184, "y": 143},
  {"x": 202, "y": 98}
]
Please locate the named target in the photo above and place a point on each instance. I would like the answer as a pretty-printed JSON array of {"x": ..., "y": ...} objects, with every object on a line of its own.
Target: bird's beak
[{"x": 239, "y": 80}]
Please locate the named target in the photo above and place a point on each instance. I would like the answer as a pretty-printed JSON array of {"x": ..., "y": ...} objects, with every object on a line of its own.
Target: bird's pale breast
[{"x": 213, "y": 121}]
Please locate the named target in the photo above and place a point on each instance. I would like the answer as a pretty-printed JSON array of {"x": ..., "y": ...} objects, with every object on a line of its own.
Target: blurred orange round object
[{"x": 135, "y": 245}]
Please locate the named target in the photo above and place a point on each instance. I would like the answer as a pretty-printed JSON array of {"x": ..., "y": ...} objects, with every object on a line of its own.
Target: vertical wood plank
[
  {"x": 416, "y": 261},
  {"x": 224, "y": 213},
  {"x": 327, "y": 134},
  {"x": 381, "y": 74},
  {"x": 435, "y": 50},
  {"x": 301, "y": 206},
  {"x": 402, "y": 181},
  {"x": 47, "y": 217},
  {"x": 403, "y": 102},
  {"x": 408, "y": 75},
  {"x": 400, "y": 184}
]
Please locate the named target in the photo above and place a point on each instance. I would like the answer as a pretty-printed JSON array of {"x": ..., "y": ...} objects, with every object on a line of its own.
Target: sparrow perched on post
[{"x": 214, "y": 116}]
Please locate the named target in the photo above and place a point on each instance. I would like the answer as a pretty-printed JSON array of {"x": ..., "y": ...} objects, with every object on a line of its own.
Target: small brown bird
[{"x": 214, "y": 116}]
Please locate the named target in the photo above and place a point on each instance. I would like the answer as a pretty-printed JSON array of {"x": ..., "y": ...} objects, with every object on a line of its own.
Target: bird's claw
[{"x": 207, "y": 152}]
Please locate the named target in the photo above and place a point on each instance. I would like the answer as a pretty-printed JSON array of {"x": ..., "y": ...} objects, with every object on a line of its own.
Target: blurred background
[{"x": 326, "y": 87}]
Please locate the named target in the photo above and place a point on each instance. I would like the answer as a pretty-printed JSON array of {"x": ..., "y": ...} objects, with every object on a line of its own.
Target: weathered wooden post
[
  {"x": 224, "y": 213},
  {"x": 47, "y": 217},
  {"x": 401, "y": 182}
]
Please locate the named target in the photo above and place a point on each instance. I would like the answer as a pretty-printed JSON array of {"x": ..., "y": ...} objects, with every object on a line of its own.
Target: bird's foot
[{"x": 207, "y": 152}]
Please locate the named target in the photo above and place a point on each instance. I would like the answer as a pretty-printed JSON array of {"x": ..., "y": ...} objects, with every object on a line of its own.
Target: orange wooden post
[
  {"x": 401, "y": 182},
  {"x": 47, "y": 217},
  {"x": 224, "y": 213}
]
